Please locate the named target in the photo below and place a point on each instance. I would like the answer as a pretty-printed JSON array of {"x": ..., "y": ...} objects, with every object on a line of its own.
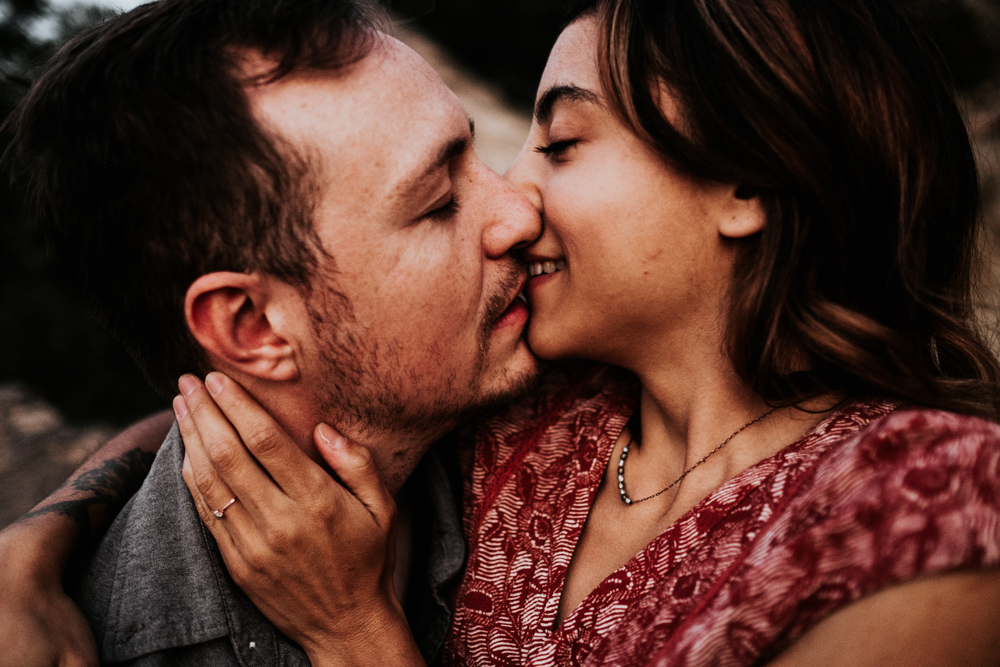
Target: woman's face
[{"x": 632, "y": 254}]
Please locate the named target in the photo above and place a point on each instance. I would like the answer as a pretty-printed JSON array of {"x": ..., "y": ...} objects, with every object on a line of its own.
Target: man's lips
[
  {"x": 517, "y": 307},
  {"x": 518, "y": 294},
  {"x": 516, "y": 313}
]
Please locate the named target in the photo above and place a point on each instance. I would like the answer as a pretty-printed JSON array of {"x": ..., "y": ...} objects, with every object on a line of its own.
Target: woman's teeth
[{"x": 539, "y": 268}]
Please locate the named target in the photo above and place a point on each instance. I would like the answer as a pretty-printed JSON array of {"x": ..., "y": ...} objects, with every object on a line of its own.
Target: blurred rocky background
[{"x": 66, "y": 386}]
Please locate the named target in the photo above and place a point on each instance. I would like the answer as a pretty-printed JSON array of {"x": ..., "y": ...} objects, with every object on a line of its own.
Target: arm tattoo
[{"x": 111, "y": 484}]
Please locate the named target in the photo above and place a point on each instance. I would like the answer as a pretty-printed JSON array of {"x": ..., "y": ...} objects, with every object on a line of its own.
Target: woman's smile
[
  {"x": 627, "y": 238},
  {"x": 545, "y": 267}
]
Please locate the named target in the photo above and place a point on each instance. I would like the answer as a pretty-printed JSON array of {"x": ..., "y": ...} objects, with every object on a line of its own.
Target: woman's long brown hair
[{"x": 840, "y": 116}]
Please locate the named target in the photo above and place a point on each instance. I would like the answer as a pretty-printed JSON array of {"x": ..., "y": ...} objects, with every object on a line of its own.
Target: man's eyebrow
[
  {"x": 448, "y": 152},
  {"x": 555, "y": 94},
  {"x": 454, "y": 148}
]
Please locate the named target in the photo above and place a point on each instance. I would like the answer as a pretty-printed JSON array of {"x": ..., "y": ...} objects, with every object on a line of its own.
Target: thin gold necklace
[{"x": 621, "y": 462}]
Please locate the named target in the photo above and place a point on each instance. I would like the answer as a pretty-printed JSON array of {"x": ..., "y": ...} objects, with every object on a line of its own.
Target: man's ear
[
  {"x": 241, "y": 322},
  {"x": 743, "y": 213}
]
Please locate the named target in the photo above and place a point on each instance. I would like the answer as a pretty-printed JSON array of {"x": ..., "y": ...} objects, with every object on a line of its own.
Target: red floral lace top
[{"x": 872, "y": 496}]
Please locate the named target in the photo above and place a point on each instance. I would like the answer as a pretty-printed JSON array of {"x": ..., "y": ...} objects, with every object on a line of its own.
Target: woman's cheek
[{"x": 543, "y": 341}]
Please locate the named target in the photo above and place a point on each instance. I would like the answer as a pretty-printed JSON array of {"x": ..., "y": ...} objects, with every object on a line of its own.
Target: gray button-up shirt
[{"x": 157, "y": 592}]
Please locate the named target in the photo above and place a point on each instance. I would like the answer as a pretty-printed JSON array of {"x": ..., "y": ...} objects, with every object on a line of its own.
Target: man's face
[{"x": 415, "y": 315}]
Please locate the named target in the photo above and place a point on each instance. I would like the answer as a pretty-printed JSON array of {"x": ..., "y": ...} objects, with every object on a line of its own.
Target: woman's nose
[{"x": 521, "y": 175}]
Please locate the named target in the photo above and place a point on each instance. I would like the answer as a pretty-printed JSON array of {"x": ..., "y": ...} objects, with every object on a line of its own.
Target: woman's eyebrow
[{"x": 548, "y": 100}]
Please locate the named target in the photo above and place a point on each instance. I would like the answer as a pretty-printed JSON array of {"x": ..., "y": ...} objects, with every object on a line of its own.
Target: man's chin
[{"x": 509, "y": 388}]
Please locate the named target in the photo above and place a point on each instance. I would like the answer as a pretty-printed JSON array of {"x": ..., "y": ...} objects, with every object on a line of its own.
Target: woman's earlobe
[{"x": 745, "y": 214}]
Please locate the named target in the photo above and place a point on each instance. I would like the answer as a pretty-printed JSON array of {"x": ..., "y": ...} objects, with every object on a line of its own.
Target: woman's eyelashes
[
  {"x": 445, "y": 212},
  {"x": 556, "y": 149}
]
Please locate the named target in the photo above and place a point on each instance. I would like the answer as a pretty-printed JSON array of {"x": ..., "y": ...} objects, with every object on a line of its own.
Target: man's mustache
[{"x": 496, "y": 305}]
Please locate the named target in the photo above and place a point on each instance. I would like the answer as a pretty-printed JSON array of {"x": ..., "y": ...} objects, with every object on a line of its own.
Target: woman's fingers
[
  {"x": 293, "y": 471},
  {"x": 206, "y": 509},
  {"x": 207, "y": 487},
  {"x": 218, "y": 458},
  {"x": 272, "y": 546},
  {"x": 209, "y": 491},
  {"x": 235, "y": 534},
  {"x": 356, "y": 469},
  {"x": 200, "y": 504}
]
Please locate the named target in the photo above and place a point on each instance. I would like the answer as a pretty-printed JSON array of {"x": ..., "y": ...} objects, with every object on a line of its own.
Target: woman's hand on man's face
[{"x": 315, "y": 555}]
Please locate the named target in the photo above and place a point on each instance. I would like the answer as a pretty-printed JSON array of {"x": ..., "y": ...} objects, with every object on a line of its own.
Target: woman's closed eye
[{"x": 557, "y": 149}]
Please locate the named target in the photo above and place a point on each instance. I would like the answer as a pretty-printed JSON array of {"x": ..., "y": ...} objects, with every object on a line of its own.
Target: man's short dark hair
[{"x": 148, "y": 170}]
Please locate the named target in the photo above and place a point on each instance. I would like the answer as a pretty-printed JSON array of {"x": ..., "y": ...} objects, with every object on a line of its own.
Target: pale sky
[
  {"x": 45, "y": 27},
  {"x": 115, "y": 4}
]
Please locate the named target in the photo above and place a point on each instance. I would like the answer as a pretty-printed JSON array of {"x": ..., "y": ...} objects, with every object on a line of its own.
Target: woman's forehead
[{"x": 573, "y": 59}]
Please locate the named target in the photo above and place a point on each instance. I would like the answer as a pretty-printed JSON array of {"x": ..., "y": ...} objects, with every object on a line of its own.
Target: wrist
[{"x": 379, "y": 636}]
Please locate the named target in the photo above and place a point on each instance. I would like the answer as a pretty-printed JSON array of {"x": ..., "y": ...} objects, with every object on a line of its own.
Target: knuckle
[
  {"x": 317, "y": 506},
  {"x": 262, "y": 440},
  {"x": 279, "y": 538},
  {"x": 211, "y": 486},
  {"x": 224, "y": 458},
  {"x": 255, "y": 565},
  {"x": 363, "y": 458},
  {"x": 324, "y": 512},
  {"x": 204, "y": 478},
  {"x": 199, "y": 404}
]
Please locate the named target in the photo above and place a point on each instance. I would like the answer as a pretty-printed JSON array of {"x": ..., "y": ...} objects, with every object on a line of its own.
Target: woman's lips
[{"x": 537, "y": 282}]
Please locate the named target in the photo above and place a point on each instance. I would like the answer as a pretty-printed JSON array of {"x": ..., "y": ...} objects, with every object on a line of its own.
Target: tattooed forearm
[
  {"x": 116, "y": 478},
  {"x": 105, "y": 488}
]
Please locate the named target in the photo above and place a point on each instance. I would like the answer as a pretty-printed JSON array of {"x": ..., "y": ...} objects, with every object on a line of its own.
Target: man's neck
[{"x": 396, "y": 452}]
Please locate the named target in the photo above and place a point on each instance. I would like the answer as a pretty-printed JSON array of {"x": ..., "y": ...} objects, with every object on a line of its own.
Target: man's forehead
[{"x": 389, "y": 107}]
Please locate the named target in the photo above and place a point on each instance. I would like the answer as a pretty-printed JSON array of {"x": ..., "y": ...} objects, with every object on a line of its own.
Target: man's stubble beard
[{"x": 364, "y": 382}]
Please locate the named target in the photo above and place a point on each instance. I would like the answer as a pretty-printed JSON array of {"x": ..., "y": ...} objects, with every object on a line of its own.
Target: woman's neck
[
  {"x": 692, "y": 401},
  {"x": 686, "y": 412}
]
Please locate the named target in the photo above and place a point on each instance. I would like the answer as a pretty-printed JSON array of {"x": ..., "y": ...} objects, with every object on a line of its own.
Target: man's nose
[{"x": 513, "y": 221}]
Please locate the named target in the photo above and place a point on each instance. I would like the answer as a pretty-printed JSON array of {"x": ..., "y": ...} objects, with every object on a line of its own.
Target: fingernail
[
  {"x": 180, "y": 408},
  {"x": 214, "y": 383},
  {"x": 187, "y": 384},
  {"x": 330, "y": 437}
]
